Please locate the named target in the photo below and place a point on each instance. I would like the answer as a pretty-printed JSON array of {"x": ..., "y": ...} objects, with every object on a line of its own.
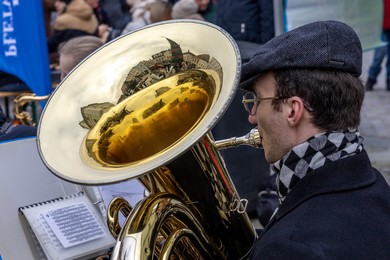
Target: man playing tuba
[{"x": 305, "y": 98}]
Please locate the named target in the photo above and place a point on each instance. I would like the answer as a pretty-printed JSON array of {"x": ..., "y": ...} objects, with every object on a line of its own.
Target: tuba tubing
[
  {"x": 145, "y": 234},
  {"x": 203, "y": 242},
  {"x": 116, "y": 206},
  {"x": 147, "y": 113},
  {"x": 194, "y": 210},
  {"x": 20, "y": 101}
]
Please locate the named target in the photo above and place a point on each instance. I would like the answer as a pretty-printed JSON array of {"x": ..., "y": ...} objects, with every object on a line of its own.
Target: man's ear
[{"x": 295, "y": 110}]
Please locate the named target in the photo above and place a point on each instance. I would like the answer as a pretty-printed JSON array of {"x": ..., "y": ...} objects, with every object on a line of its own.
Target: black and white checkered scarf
[{"x": 312, "y": 154}]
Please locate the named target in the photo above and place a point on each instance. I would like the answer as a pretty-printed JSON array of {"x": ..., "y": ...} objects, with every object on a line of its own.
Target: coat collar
[{"x": 342, "y": 175}]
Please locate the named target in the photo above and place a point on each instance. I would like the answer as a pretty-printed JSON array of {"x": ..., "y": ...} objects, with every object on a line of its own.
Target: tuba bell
[{"x": 142, "y": 106}]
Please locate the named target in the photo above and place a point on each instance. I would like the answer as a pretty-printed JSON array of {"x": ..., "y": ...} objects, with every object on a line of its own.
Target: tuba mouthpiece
[{"x": 252, "y": 139}]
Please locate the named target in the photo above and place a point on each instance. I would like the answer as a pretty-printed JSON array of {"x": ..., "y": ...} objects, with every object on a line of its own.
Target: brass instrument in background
[
  {"x": 142, "y": 106},
  {"x": 21, "y": 101}
]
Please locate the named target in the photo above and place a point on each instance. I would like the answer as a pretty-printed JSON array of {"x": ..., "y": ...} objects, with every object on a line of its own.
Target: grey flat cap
[{"x": 324, "y": 44}]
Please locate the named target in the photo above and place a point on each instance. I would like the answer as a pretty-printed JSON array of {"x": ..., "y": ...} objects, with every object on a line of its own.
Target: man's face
[{"x": 272, "y": 126}]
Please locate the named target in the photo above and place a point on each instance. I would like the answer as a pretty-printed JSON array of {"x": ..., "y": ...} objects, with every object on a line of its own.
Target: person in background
[
  {"x": 380, "y": 53},
  {"x": 104, "y": 21},
  {"x": 138, "y": 7},
  {"x": 186, "y": 9},
  {"x": 247, "y": 20},
  {"x": 305, "y": 97},
  {"x": 48, "y": 9},
  {"x": 11, "y": 131},
  {"x": 9, "y": 82},
  {"x": 8, "y": 128},
  {"x": 73, "y": 51},
  {"x": 119, "y": 15},
  {"x": 152, "y": 12},
  {"x": 74, "y": 18},
  {"x": 207, "y": 9}
]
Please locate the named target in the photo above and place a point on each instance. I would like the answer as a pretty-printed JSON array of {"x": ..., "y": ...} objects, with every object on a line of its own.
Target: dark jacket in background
[
  {"x": 9, "y": 131},
  {"x": 247, "y": 20},
  {"x": 9, "y": 82},
  {"x": 339, "y": 211},
  {"x": 250, "y": 23},
  {"x": 102, "y": 16},
  {"x": 246, "y": 165},
  {"x": 59, "y": 37},
  {"x": 77, "y": 20}
]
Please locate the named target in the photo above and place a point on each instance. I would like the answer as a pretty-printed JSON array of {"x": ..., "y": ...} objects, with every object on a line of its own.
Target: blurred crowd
[
  {"x": 245, "y": 20},
  {"x": 76, "y": 28}
]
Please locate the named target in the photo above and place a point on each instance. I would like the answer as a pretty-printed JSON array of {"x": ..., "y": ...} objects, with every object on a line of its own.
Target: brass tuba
[{"x": 142, "y": 106}]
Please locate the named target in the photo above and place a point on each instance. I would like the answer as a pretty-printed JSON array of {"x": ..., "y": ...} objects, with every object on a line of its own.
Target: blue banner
[{"x": 24, "y": 50}]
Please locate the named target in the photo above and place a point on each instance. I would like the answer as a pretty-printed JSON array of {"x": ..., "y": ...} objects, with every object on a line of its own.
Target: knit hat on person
[
  {"x": 184, "y": 9},
  {"x": 317, "y": 45}
]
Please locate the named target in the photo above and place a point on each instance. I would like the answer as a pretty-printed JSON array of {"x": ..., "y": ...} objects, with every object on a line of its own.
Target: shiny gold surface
[
  {"x": 159, "y": 228},
  {"x": 153, "y": 119},
  {"x": 19, "y": 103},
  {"x": 253, "y": 139},
  {"x": 116, "y": 206},
  {"x": 142, "y": 107},
  {"x": 121, "y": 70},
  {"x": 193, "y": 212}
]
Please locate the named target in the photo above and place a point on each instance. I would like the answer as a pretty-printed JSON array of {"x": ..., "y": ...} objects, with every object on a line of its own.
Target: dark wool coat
[
  {"x": 8, "y": 131},
  {"x": 339, "y": 211},
  {"x": 247, "y": 20}
]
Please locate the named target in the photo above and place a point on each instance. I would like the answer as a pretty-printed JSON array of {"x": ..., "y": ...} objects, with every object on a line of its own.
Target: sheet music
[
  {"x": 67, "y": 227},
  {"x": 73, "y": 224},
  {"x": 132, "y": 191}
]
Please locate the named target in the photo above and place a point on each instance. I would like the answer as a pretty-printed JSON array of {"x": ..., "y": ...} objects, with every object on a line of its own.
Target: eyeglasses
[{"x": 250, "y": 102}]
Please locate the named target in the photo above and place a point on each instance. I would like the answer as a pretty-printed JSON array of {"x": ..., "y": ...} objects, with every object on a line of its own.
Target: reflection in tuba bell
[{"x": 132, "y": 110}]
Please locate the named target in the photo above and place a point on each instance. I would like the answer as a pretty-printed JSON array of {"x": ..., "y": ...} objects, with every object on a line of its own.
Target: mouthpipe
[{"x": 252, "y": 139}]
